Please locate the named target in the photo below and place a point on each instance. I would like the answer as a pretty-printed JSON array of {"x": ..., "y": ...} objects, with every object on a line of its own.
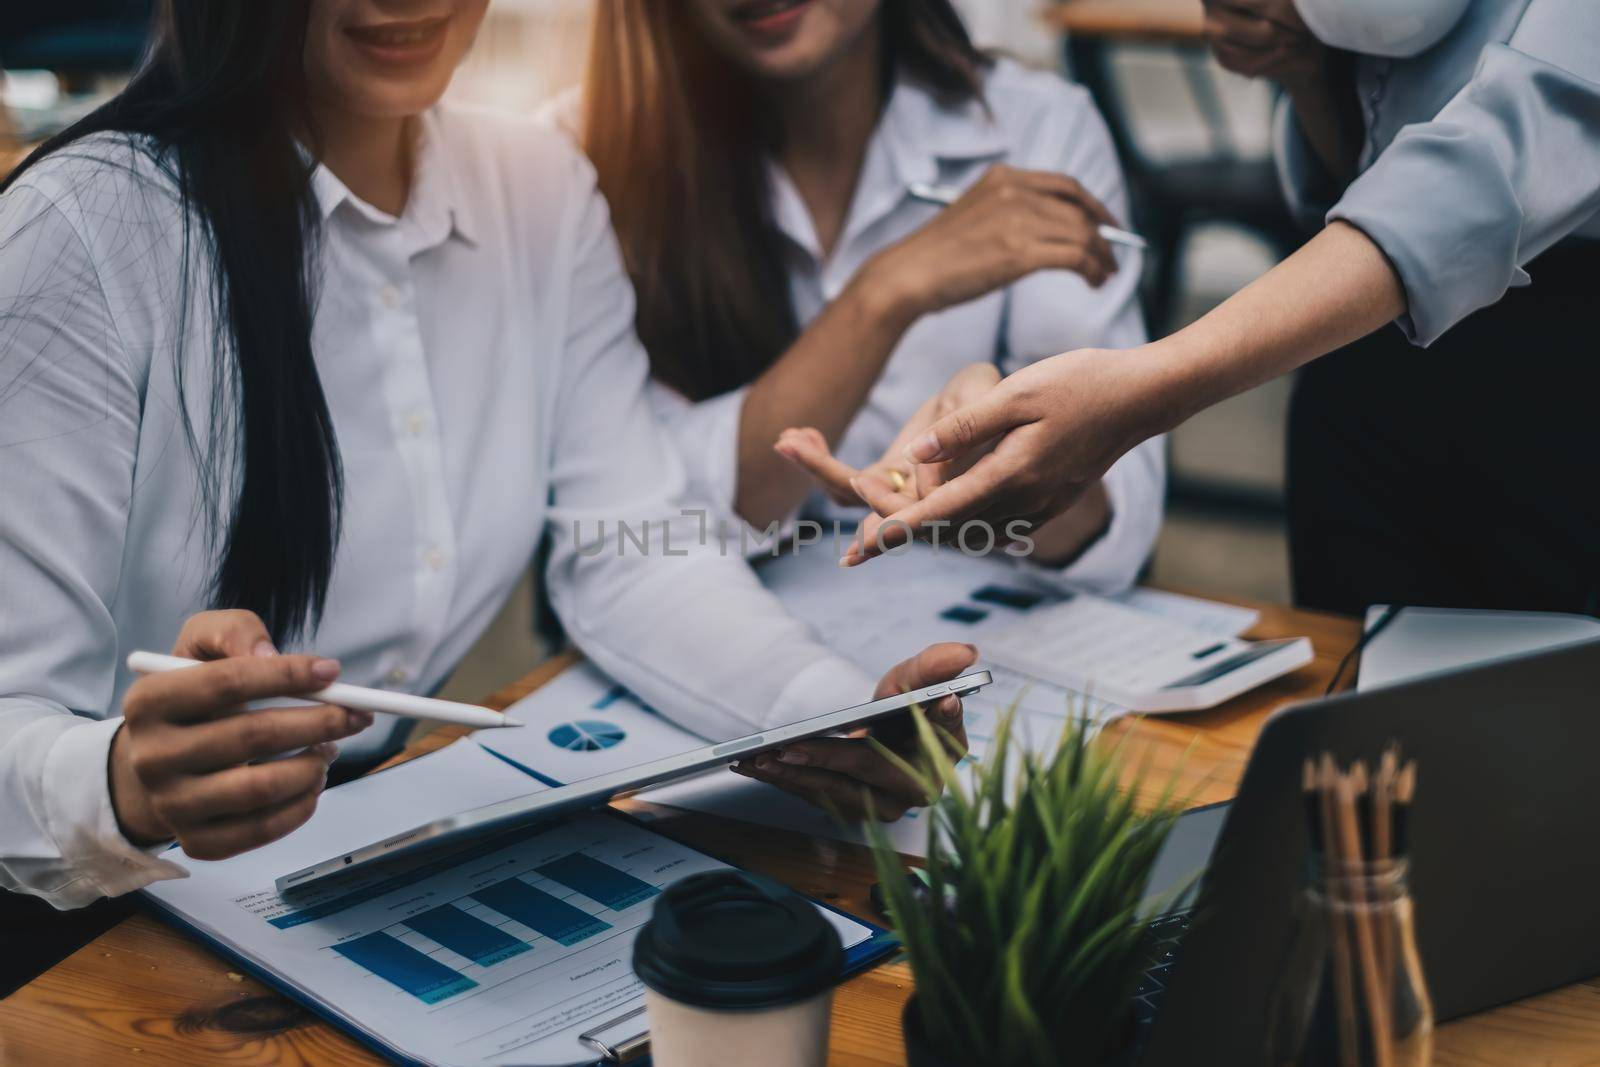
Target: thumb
[
  {"x": 223, "y": 634},
  {"x": 964, "y": 429},
  {"x": 936, "y": 663}
]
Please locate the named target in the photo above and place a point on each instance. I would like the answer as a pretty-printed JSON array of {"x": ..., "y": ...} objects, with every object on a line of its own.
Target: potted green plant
[{"x": 1025, "y": 929}]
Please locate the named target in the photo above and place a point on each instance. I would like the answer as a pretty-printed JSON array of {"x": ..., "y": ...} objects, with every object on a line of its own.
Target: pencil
[
  {"x": 1344, "y": 983},
  {"x": 1382, "y": 823},
  {"x": 1366, "y": 948}
]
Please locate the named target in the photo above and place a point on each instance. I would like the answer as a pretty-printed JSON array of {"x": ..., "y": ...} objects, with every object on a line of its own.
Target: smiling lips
[
  {"x": 767, "y": 17},
  {"x": 401, "y": 42}
]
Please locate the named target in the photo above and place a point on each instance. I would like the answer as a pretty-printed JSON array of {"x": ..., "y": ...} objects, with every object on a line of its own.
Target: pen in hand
[
  {"x": 355, "y": 696},
  {"x": 945, "y": 195}
]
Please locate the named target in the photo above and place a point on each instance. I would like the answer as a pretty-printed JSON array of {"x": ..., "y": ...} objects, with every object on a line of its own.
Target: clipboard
[{"x": 617, "y": 1039}]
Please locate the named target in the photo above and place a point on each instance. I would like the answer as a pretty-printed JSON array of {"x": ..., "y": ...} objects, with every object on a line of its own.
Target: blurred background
[{"x": 1194, "y": 141}]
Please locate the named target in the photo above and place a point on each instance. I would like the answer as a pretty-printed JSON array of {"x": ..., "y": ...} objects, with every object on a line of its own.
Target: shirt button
[
  {"x": 415, "y": 424},
  {"x": 397, "y": 676},
  {"x": 390, "y": 296},
  {"x": 434, "y": 558}
]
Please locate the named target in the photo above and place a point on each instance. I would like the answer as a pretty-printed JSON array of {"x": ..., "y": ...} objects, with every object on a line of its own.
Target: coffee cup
[{"x": 737, "y": 969}]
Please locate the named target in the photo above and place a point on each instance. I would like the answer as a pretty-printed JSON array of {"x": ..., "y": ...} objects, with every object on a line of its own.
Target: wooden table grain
[
  {"x": 1133, "y": 21},
  {"x": 146, "y": 994}
]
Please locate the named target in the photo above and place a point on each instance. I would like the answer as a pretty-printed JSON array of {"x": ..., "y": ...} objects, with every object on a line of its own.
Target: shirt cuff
[
  {"x": 82, "y": 823},
  {"x": 829, "y": 684},
  {"x": 1450, "y": 264},
  {"x": 1111, "y": 563}
]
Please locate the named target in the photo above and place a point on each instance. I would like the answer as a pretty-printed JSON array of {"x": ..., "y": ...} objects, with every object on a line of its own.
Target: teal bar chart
[
  {"x": 433, "y": 954},
  {"x": 538, "y": 910},
  {"x": 598, "y": 880},
  {"x": 467, "y": 935},
  {"x": 397, "y": 962}
]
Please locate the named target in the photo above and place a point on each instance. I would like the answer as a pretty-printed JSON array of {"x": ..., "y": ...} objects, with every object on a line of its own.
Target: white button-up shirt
[
  {"x": 487, "y": 389},
  {"x": 1035, "y": 121}
]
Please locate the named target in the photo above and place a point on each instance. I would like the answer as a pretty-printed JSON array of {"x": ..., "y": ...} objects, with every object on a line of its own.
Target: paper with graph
[{"x": 499, "y": 951}]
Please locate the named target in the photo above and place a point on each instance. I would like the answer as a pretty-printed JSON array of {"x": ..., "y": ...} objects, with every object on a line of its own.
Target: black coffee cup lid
[{"x": 736, "y": 941}]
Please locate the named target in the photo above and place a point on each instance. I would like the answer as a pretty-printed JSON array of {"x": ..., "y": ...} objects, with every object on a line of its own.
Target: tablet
[{"x": 601, "y": 789}]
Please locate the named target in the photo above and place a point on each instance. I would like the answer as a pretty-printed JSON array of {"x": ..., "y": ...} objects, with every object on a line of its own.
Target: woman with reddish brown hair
[{"x": 772, "y": 168}]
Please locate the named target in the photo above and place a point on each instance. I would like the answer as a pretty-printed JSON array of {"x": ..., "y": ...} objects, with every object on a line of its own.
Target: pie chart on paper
[{"x": 587, "y": 736}]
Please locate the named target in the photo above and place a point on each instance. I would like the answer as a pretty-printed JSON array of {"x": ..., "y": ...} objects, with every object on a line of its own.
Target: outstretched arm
[
  {"x": 1011, "y": 223},
  {"x": 1058, "y": 425}
]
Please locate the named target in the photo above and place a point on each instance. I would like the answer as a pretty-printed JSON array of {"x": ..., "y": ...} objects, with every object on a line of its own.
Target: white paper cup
[
  {"x": 737, "y": 969},
  {"x": 793, "y": 1035}
]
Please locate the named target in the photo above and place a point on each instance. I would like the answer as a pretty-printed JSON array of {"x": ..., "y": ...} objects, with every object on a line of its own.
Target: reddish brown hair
[{"x": 680, "y": 142}]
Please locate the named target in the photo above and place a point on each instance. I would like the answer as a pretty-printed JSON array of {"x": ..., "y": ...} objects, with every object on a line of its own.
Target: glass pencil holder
[{"x": 1352, "y": 993}]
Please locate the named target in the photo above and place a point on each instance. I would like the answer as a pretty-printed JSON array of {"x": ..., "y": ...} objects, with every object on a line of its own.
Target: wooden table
[
  {"x": 145, "y": 994},
  {"x": 1151, "y": 21}
]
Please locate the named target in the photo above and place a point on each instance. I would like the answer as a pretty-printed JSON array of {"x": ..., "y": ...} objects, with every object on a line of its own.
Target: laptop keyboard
[{"x": 1165, "y": 937}]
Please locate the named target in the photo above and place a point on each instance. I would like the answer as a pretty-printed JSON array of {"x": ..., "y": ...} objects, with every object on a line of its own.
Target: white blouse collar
[
  {"x": 435, "y": 208},
  {"x": 916, "y": 136}
]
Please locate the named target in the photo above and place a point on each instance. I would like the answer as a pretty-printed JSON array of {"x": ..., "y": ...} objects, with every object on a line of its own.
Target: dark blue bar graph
[
  {"x": 538, "y": 910},
  {"x": 395, "y": 961},
  {"x": 467, "y": 935},
  {"x": 598, "y": 881}
]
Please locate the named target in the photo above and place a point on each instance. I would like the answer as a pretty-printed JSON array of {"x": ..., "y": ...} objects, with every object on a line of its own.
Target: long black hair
[{"x": 218, "y": 104}]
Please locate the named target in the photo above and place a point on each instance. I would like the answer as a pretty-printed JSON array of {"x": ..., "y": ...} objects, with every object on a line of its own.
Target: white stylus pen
[
  {"x": 945, "y": 195},
  {"x": 354, "y": 696}
]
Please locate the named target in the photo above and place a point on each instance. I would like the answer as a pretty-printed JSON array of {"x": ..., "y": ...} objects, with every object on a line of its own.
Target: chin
[
  {"x": 396, "y": 101},
  {"x": 790, "y": 63}
]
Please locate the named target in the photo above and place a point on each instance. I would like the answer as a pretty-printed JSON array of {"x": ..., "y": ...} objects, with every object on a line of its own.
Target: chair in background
[{"x": 1171, "y": 197}]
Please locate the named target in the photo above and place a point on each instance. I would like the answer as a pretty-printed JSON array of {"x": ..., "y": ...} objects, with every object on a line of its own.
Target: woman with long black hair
[
  {"x": 774, "y": 169},
  {"x": 280, "y": 337}
]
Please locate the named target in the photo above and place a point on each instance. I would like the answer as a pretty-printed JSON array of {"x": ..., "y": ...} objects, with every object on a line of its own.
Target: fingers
[
  {"x": 229, "y": 837},
  {"x": 949, "y": 721},
  {"x": 1242, "y": 29},
  {"x": 966, "y": 428},
  {"x": 1280, "y": 13},
  {"x": 880, "y": 495},
  {"x": 1069, "y": 189},
  {"x": 936, "y": 663},
  {"x": 214, "y": 689},
  {"x": 238, "y": 739},
  {"x": 848, "y": 798},
  {"x": 808, "y": 449},
  {"x": 243, "y": 790},
  {"x": 220, "y": 634},
  {"x": 954, "y": 502},
  {"x": 1065, "y": 237},
  {"x": 850, "y": 758}
]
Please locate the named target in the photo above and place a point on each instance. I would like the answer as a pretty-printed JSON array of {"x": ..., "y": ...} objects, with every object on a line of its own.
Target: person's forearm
[
  {"x": 1336, "y": 289},
  {"x": 821, "y": 381},
  {"x": 1326, "y": 109}
]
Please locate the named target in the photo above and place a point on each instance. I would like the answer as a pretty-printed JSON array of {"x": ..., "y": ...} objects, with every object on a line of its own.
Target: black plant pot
[{"x": 921, "y": 1052}]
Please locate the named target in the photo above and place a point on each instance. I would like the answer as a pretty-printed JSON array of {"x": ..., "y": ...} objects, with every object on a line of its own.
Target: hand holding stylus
[{"x": 183, "y": 763}]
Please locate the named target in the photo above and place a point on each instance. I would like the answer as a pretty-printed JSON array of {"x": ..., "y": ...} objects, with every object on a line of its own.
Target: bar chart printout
[
  {"x": 467, "y": 935},
  {"x": 416, "y": 972},
  {"x": 456, "y": 962},
  {"x": 598, "y": 880},
  {"x": 531, "y": 906}
]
